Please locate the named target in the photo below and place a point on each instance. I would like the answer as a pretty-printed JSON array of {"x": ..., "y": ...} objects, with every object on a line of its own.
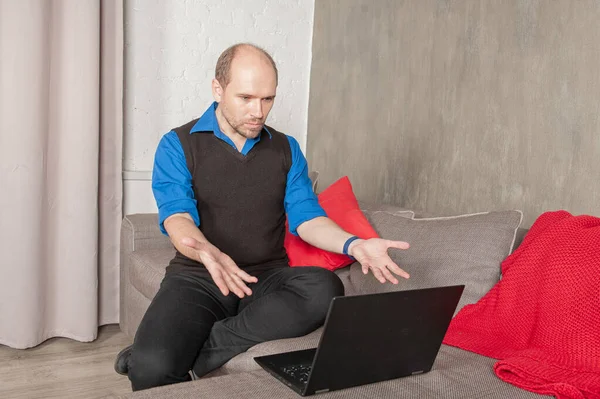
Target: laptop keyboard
[{"x": 299, "y": 372}]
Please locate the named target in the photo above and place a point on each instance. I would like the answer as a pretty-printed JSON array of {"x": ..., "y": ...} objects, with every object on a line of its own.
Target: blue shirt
[{"x": 172, "y": 180}]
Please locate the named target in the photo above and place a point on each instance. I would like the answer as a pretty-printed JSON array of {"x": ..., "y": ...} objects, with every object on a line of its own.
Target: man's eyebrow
[{"x": 250, "y": 95}]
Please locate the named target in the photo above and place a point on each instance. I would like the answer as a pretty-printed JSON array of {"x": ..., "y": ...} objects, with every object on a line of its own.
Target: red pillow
[{"x": 341, "y": 206}]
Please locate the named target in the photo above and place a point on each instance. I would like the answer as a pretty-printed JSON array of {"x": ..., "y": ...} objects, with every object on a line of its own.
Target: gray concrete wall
[{"x": 459, "y": 106}]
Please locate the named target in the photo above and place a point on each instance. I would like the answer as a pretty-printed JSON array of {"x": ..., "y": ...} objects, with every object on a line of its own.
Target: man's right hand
[{"x": 223, "y": 270}]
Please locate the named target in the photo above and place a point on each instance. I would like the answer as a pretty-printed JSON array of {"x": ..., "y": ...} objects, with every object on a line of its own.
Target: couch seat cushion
[
  {"x": 456, "y": 374},
  {"x": 147, "y": 269}
]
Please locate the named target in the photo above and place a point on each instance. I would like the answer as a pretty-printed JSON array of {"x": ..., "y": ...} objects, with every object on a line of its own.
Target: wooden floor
[{"x": 64, "y": 368}]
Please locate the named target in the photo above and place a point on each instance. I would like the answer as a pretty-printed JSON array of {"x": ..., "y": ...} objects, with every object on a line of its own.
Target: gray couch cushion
[
  {"x": 466, "y": 249},
  {"x": 456, "y": 374},
  {"x": 147, "y": 269}
]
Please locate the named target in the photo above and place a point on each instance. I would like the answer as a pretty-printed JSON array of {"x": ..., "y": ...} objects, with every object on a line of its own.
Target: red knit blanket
[{"x": 542, "y": 319}]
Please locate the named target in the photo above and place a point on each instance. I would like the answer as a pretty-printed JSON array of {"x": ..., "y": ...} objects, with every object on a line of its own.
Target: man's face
[{"x": 248, "y": 98}]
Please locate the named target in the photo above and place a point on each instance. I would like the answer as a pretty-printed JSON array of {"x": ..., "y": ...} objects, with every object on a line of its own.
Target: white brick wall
[{"x": 171, "y": 47}]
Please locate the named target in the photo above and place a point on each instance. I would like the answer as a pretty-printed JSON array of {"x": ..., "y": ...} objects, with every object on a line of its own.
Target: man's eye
[{"x": 269, "y": 99}]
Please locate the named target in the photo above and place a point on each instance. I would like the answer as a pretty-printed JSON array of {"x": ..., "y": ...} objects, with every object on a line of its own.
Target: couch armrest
[{"x": 138, "y": 232}]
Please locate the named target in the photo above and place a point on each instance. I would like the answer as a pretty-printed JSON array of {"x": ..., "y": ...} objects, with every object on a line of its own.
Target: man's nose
[{"x": 257, "y": 111}]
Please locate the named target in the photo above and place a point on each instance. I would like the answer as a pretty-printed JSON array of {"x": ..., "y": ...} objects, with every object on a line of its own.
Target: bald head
[
  {"x": 245, "y": 53},
  {"x": 245, "y": 86}
]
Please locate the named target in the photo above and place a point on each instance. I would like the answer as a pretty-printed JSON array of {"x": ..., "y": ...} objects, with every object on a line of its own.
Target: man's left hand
[{"x": 373, "y": 254}]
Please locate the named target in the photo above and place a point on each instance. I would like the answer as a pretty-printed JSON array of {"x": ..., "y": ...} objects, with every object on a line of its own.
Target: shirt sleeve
[
  {"x": 172, "y": 181},
  {"x": 301, "y": 203}
]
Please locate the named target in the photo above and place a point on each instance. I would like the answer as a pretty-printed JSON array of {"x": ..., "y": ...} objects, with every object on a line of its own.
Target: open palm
[
  {"x": 373, "y": 254},
  {"x": 225, "y": 273}
]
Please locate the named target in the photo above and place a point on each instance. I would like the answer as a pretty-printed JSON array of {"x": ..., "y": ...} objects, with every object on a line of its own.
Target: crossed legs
[{"x": 190, "y": 325}]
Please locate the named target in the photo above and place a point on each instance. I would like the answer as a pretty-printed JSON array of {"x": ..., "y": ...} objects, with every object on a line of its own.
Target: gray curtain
[{"x": 61, "y": 81}]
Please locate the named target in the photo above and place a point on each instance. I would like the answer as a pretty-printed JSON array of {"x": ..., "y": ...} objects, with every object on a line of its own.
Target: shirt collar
[
  {"x": 208, "y": 123},
  {"x": 207, "y": 120}
]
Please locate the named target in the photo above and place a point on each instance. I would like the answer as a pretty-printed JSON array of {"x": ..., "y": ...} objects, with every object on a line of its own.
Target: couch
[{"x": 464, "y": 249}]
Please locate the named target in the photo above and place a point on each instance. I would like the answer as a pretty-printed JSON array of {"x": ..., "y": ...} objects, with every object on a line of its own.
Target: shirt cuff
[
  {"x": 304, "y": 217},
  {"x": 177, "y": 206}
]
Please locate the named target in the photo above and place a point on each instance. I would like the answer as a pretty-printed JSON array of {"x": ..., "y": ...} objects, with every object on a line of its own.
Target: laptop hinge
[{"x": 322, "y": 390}]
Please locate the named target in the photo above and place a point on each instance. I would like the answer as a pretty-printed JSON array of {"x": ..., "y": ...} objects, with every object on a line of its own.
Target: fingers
[
  {"x": 228, "y": 280},
  {"x": 380, "y": 264},
  {"x": 237, "y": 284},
  {"x": 237, "y": 281},
  {"x": 238, "y": 276},
  {"x": 246, "y": 277},
  {"x": 383, "y": 274},
  {"x": 233, "y": 269},
  {"x": 225, "y": 273},
  {"x": 232, "y": 284},
  {"x": 218, "y": 279},
  {"x": 240, "y": 284},
  {"x": 398, "y": 244},
  {"x": 233, "y": 280},
  {"x": 378, "y": 275},
  {"x": 394, "y": 268},
  {"x": 389, "y": 277}
]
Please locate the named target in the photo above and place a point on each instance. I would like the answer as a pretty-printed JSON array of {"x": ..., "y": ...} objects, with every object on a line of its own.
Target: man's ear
[{"x": 217, "y": 90}]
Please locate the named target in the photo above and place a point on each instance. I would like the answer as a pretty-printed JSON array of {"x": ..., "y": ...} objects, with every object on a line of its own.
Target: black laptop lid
[{"x": 376, "y": 337}]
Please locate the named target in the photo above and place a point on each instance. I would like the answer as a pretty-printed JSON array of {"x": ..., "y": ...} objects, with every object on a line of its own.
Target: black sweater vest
[{"x": 240, "y": 199}]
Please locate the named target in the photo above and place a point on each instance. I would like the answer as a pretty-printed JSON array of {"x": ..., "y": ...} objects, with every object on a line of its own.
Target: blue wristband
[{"x": 347, "y": 244}]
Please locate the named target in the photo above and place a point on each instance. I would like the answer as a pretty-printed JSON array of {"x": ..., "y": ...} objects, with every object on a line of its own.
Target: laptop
[{"x": 370, "y": 338}]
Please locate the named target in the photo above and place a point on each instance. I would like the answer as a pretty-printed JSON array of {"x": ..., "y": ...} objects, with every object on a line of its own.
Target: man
[{"x": 224, "y": 184}]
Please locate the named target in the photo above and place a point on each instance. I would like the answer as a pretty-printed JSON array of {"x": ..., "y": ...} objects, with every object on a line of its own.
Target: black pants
[{"x": 190, "y": 325}]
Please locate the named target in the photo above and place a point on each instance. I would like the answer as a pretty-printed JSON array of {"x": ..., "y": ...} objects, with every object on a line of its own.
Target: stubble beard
[{"x": 243, "y": 131}]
